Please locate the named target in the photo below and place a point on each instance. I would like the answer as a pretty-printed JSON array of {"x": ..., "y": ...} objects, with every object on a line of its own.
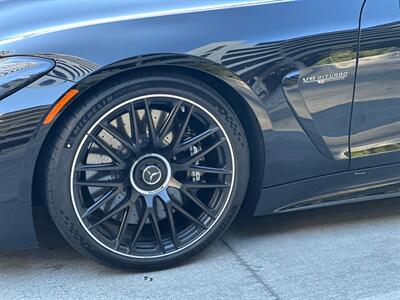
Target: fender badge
[{"x": 321, "y": 79}]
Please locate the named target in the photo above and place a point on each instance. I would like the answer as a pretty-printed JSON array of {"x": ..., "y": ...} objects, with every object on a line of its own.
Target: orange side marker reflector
[{"x": 60, "y": 105}]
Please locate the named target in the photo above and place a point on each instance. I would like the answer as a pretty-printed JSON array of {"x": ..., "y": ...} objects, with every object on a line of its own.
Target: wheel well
[{"x": 236, "y": 101}]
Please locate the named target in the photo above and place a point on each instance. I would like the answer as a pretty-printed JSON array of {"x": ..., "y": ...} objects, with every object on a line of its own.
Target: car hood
[{"x": 23, "y": 19}]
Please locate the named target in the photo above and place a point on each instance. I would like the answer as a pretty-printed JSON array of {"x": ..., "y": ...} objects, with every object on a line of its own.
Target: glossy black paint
[
  {"x": 20, "y": 142},
  {"x": 290, "y": 68},
  {"x": 19, "y": 71},
  {"x": 375, "y": 131}
]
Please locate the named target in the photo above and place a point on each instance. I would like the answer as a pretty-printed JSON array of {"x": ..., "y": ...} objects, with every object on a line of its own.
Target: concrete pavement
[{"x": 343, "y": 252}]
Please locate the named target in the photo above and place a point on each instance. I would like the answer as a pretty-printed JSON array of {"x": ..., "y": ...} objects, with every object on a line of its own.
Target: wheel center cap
[{"x": 150, "y": 174}]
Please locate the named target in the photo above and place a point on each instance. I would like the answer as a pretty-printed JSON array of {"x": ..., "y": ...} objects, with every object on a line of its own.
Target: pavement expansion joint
[{"x": 253, "y": 272}]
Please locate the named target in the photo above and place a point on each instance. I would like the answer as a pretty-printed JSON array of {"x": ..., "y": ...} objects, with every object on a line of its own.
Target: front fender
[{"x": 245, "y": 102}]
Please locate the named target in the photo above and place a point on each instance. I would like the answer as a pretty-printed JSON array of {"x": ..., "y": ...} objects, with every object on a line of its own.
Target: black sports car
[{"x": 145, "y": 125}]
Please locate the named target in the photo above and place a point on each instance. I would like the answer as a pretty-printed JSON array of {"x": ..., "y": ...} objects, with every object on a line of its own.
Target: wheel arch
[{"x": 240, "y": 97}]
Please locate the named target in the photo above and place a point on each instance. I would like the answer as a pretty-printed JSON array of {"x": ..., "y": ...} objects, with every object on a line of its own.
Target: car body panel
[
  {"x": 345, "y": 187},
  {"x": 375, "y": 130},
  {"x": 255, "y": 51},
  {"x": 293, "y": 62},
  {"x": 20, "y": 144}
]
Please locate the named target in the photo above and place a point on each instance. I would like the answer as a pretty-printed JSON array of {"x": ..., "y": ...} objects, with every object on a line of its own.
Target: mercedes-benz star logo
[{"x": 151, "y": 175}]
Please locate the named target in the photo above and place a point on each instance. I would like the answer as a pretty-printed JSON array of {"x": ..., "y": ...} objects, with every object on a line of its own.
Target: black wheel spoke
[
  {"x": 204, "y": 152},
  {"x": 104, "y": 184},
  {"x": 150, "y": 123},
  {"x": 105, "y": 198},
  {"x": 134, "y": 126},
  {"x": 98, "y": 167},
  {"x": 123, "y": 204},
  {"x": 123, "y": 226},
  {"x": 121, "y": 125},
  {"x": 123, "y": 140},
  {"x": 107, "y": 149},
  {"x": 171, "y": 221},
  {"x": 187, "y": 215},
  {"x": 156, "y": 229},
  {"x": 182, "y": 129},
  {"x": 142, "y": 220},
  {"x": 197, "y": 139},
  {"x": 152, "y": 215},
  {"x": 167, "y": 203},
  {"x": 201, "y": 169},
  {"x": 198, "y": 202},
  {"x": 205, "y": 185},
  {"x": 210, "y": 170},
  {"x": 169, "y": 121}
]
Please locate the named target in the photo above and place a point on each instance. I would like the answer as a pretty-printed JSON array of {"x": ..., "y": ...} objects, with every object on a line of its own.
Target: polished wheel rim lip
[
  {"x": 92, "y": 128},
  {"x": 166, "y": 181}
]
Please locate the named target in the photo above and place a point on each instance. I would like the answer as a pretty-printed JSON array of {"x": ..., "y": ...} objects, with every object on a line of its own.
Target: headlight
[{"x": 19, "y": 71}]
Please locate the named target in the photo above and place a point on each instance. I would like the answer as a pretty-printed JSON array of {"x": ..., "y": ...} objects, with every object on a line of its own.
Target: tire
[{"x": 146, "y": 170}]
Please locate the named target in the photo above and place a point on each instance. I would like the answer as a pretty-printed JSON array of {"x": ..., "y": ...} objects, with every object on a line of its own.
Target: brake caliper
[{"x": 196, "y": 177}]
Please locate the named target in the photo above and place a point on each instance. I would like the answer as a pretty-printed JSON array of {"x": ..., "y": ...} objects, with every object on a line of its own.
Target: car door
[{"x": 375, "y": 126}]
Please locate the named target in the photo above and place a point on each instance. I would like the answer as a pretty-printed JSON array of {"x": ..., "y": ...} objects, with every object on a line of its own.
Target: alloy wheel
[{"x": 152, "y": 176}]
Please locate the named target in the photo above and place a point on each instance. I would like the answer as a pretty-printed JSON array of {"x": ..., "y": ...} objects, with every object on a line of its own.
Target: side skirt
[{"x": 340, "y": 188}]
